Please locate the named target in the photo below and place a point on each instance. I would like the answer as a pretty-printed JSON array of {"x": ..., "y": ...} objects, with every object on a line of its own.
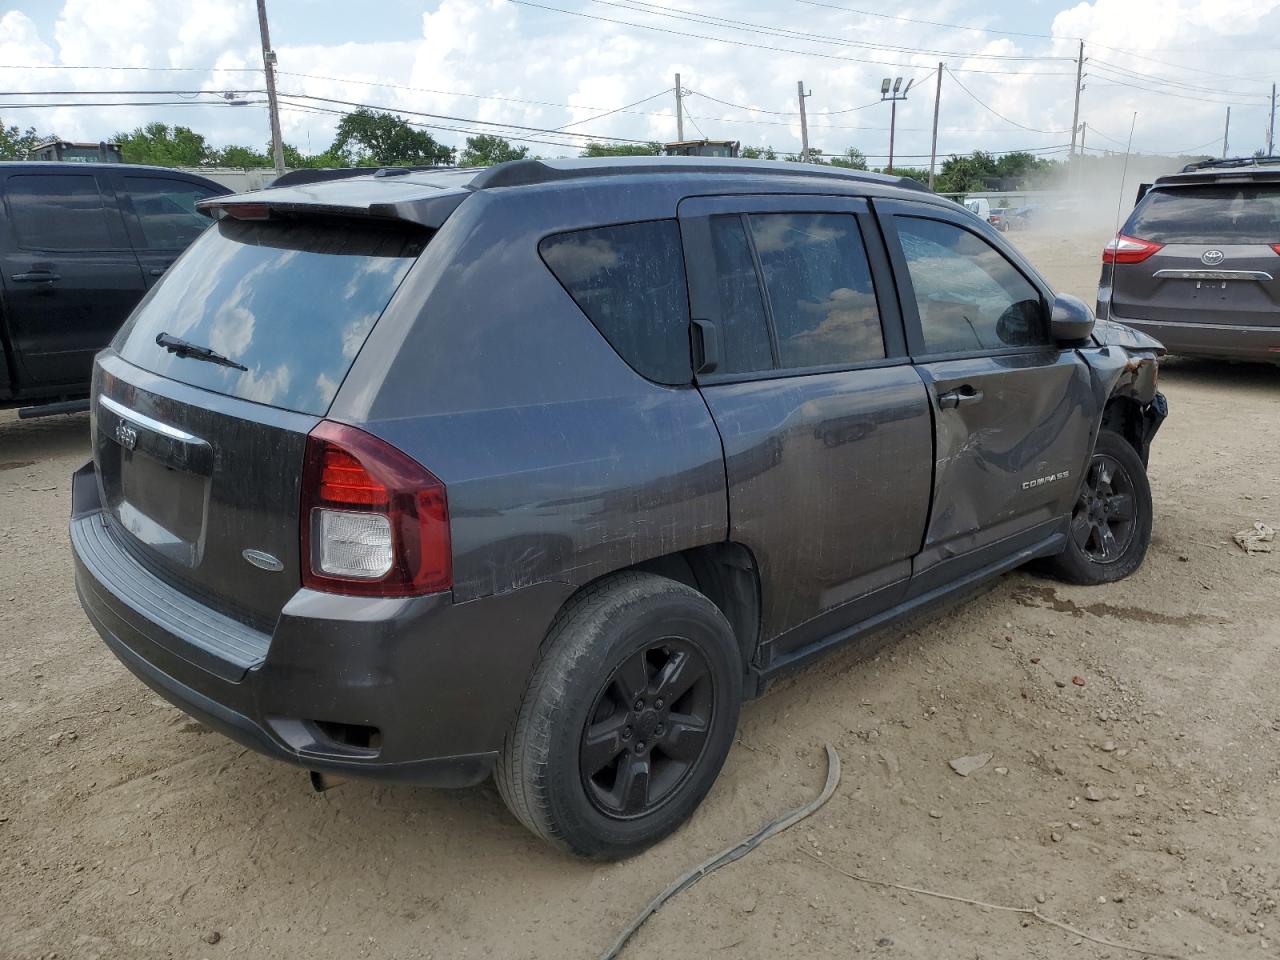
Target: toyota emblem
[
  {"x": 1211, "y": 258},
  {"x": 126, "y": 435}
]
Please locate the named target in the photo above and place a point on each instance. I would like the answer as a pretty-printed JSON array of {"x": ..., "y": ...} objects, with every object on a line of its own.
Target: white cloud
[{"x": 495, "y": 49}]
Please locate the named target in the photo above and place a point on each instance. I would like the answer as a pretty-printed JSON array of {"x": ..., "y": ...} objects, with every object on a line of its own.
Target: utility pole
[
  {"x": 1226, "y": 133},
  {"x": 1084, "y": 129},
  {"x": 269, "y": 68},
  {"x": 1271, "y": 125},
  {"x": 1075, "y": 115},
  {"x": 933, "y": 149},
  {"x": 804, "y": 122},
  {"x": 679, "y": 110}
]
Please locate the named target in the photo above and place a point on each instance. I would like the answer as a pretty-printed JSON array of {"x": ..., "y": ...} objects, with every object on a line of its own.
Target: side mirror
[{"x": 1071, "y": 319}]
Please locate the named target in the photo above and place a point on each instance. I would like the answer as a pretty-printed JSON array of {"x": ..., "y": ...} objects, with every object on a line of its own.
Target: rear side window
[
  {"x": 1209, "y": 214},
  {"x": 59, "y": 212},
  {"x": 819, "y": 285},
  {"x": 291, "y": 300},
  {"x": 166, "y": 210},
  {"x": 629, "y": 280},
  {"x": 745, "y": 329},
  {"x": 970, "y": 297}
]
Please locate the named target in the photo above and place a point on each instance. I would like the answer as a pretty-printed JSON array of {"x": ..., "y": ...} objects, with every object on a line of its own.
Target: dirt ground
[{"x": 128, "y": 830}]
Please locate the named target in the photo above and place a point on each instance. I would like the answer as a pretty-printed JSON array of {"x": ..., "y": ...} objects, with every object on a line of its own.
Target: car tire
[
  {"x": 1110, "y": 527},
  {"x": 604, "y": 779}
]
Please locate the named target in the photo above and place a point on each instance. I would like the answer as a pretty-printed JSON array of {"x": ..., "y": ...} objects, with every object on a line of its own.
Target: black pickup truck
[{"x": 79, "y": 246}]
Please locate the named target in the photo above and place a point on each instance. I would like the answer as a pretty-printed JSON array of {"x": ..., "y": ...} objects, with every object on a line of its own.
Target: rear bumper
[
  {"x": 1214, "y": 340},
  {"x": 438, "y": 681}
]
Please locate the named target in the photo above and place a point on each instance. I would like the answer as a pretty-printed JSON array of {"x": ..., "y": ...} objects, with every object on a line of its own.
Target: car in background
[
  {"x": 1197, "y": 263},
  {"x": 80, "y": 246},
  {"x": 538, "y": 471}
]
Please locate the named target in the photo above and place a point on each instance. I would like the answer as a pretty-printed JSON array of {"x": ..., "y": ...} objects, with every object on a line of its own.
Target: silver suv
[{"x": 1197, "y": 264}]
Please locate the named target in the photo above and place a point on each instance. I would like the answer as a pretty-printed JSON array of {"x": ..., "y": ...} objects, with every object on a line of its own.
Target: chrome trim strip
[
  {"x": 142, "y": 420},
  {"x": 1212, "y": 275}
]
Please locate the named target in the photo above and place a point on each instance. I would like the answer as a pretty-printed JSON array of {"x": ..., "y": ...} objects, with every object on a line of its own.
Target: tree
[
  {"x": 15, "y": 143},
  {"x": 371, "y": 138},
  {"x": 962, "y": 174},
  {"x": 851, "y": 159},
  {"x": 166, "y": 146},
  {"x": 237, "y": 156},
  {"x": 650, "y": 149},
  {"x": 485, "y": 150},
  {"x": 759, "y": 153}
]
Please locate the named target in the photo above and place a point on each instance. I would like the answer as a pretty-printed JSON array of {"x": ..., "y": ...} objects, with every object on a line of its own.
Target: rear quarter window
[
  {"x": 629, "y": 280},
  {"x": 1208, "y": 214}
]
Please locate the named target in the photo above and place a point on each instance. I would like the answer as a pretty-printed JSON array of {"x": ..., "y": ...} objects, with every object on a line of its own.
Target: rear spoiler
[
  {"x": 1238, "y": 174},
  {"x": 429, "y": 211}
]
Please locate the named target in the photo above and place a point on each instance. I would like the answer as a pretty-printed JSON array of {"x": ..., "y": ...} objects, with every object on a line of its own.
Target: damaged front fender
[{"x": 1125, "y": 379}]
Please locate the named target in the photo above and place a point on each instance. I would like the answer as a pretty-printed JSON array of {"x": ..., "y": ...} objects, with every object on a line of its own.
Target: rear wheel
[
  {"x": 627, "y": 719},
  {"x": 1111, "y": 523}
]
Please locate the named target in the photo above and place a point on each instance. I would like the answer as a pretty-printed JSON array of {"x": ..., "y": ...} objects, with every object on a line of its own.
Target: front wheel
[
  {"x": 627, "y": 719},
  {"x": 1111, "y": 521}
]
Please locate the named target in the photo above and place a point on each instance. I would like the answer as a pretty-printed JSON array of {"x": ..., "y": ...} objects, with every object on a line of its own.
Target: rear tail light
[
  {"x": 1276, "y": 247},
  {"x": 1124, "y": 249},
  {"x": 374, "y": 521}
]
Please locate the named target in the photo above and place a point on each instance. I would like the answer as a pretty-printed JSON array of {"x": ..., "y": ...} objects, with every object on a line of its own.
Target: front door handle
[
  {"x": 959, "y": 397},
  {"x": 35, "y": 276},
  {"x": 157, "y": 271}
]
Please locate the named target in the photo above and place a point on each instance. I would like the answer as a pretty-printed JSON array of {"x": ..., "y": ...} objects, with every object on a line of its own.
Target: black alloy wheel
[
  {"x": 1104, "y": 520},
  {"x": 647, "y": 728}
]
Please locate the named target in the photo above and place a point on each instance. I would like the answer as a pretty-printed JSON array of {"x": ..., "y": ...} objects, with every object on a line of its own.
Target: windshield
[
  {"x": 291, "y": 300},
  {"x": 1209, "y": 214}
]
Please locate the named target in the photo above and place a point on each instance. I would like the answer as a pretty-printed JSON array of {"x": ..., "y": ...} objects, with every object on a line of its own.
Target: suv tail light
[
  {"x": 1276, "y": 247},
  {"x": 1125, "y": 249},
  {"x": 374, "y": 522}
]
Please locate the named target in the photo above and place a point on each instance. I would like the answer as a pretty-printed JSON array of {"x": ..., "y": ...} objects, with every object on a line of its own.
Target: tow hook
[{"x": 320, "y": 782}]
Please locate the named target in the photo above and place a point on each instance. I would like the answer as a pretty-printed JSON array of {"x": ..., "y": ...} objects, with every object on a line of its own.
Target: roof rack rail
[
  {"x": 519, "y": 173},
  {"x": 1231, "y": 162}
]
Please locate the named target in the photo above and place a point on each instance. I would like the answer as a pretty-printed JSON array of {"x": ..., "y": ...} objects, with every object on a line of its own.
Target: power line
[
  {"x": 125, "y": 103},
  {"x": 441, "y": 116},
  {"x": 767, "y": 47},
  {"x": 976, "y": 99},
  {"x": 609, "y": 113},
  {"x": 1107, "y": 66},
  {"x": 1118, "y": 81},
  {"x": 676, "y": 13}
]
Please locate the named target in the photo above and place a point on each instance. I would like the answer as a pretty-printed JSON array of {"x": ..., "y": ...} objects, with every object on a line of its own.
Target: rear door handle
[
  {"x": 157, "y": 271},
  {"x": 35, "y": 276},
  {"x": 959, "y": 397}
]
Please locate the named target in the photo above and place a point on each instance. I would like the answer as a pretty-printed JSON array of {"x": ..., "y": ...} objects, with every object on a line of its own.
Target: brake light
[
  {"x": 374, "y": 522},
  {"x": 1125, "y": 249},
  {"x": 245, "y": 211},
  {"x": 1276, "y": 247}
]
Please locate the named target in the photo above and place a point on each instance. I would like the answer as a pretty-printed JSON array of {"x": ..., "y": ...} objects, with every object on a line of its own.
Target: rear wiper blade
[{"x": 184, "y": 348}]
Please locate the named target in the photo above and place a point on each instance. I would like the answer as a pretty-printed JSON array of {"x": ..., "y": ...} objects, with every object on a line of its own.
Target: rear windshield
[
  {"x": 291, "y": 300},
  {"x": 1209, "y": 214}
]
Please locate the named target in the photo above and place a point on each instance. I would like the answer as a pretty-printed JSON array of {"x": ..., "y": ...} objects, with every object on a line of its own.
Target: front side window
[
  {"x": 820, "y": 291},
  {"x": 629, "y": 280},
  {"x": 166, "y": 210},
  {"x": 970, "y": 297},
  {"x": 58, "y": 212}
]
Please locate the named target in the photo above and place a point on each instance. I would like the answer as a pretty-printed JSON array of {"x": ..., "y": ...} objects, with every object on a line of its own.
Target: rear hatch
[
  {"x": 1212, "y": 256},
  {"x": 200, "y": 462}
]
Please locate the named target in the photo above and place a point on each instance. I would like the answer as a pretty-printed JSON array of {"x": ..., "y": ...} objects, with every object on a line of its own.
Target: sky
[{"x": 522, "y": 68}]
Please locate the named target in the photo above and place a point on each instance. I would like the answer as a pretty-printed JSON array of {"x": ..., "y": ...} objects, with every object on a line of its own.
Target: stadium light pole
[{"x": 891, "y": 90}]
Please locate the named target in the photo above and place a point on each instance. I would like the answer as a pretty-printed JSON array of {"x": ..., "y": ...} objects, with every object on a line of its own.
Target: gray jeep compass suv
[
  {"x": 538, "y": 471},
  {"x": 1197, "y": 264}
]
